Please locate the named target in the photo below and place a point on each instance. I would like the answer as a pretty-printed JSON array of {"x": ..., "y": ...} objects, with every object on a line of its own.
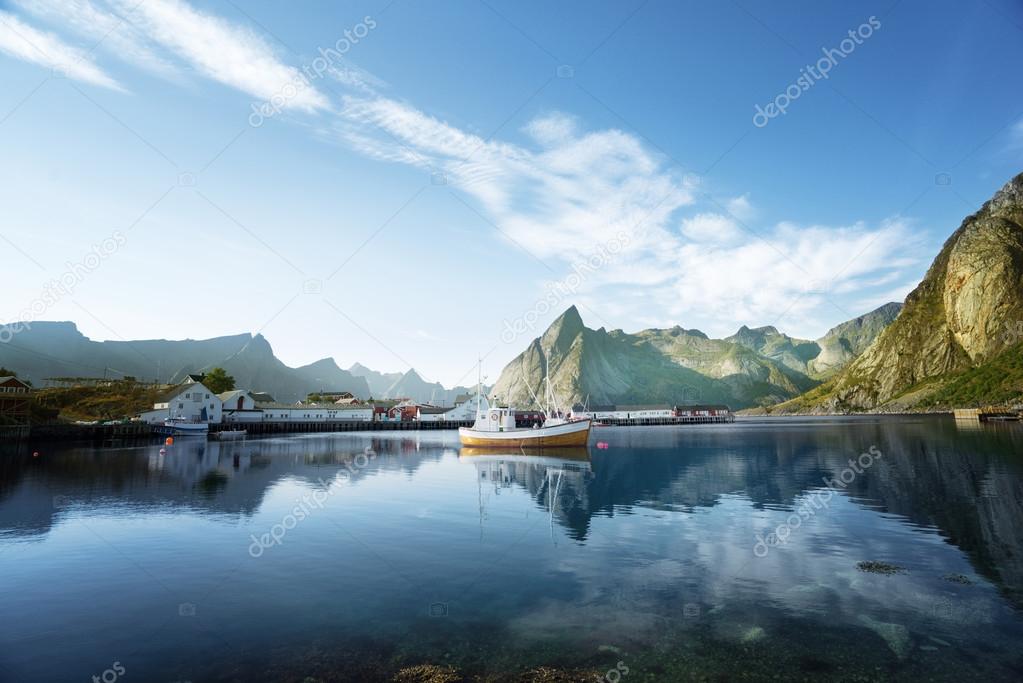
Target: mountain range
[
  {"x": 45, "y": 350},
  {"x": 58, "y": 349},
  {"x": 408, "y": 385},
  {"x": 957, "y": 340},
  {"x": 753, "y": 367}
]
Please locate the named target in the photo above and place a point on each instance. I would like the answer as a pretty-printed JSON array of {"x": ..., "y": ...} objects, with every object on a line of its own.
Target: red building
[{"x": 15, "y": 402}]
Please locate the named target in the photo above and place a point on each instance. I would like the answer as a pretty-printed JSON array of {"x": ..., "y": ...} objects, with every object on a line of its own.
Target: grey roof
[
  {"x": 646, "y": 406},
  {"x": 176, "y": 390},
  {"x": 234, "y": 393},
  {"x": 433, "y": 410},
  {"x": 311, "y": 406},
  {"x": 717, "y": 406}
]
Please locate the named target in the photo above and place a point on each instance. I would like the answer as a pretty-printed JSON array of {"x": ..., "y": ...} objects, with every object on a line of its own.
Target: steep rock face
[
  {"x": 795, "y": 354},
  {"x": 653, "y": 366},
  {"x": 846, "y": 341},
  {"x": 956, "y": 319}
]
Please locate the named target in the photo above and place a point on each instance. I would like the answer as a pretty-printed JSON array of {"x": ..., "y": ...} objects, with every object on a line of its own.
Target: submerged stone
[
  {"x": 958, "y": 578},
  {"x": 895, "y": 635},
  {"x": 874, "y": 567},
  {"x": 753, "y": 634},
  {"x": 428, "y": 673}
]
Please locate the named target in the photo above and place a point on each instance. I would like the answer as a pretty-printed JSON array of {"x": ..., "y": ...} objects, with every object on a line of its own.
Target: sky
[{"x": 408, "y": 184}]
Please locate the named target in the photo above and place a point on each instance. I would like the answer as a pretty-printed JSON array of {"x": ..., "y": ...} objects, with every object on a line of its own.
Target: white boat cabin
[{"x": 495, "y": 419}]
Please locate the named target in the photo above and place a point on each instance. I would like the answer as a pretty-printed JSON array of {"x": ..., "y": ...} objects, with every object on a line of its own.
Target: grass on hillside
[
  {"x": 1000, "y": 380},
  {"x": 117, "y": 400}
]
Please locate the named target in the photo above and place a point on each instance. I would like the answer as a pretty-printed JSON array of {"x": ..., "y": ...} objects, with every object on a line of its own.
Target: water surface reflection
[{"x": 642, "y": 551}]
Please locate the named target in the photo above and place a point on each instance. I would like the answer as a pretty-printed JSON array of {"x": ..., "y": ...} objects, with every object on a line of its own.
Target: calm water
[{"x": 275, "y": 560}]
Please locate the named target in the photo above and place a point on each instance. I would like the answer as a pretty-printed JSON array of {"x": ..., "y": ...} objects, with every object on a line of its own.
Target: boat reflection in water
[{"x": 557, "y": 478}]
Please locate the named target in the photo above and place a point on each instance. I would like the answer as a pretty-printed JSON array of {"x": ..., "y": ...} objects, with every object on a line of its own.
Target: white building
[
  {"x": 315, "y": 412},
  {"x": 629, "y": 412},
  {"x": 190, "y": 401},
  {"x": 240, "y": 406},
  {"x": 465, "y": 408}
]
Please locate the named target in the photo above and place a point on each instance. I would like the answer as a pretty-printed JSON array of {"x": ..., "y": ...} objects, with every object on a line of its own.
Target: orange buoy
[{"x": 169, "y": 441}]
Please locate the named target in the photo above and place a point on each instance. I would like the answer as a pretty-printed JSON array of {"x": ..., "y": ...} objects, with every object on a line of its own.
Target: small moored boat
[
  {"x": 179, "y": 426},
  {"x": 495, "y": 426}
]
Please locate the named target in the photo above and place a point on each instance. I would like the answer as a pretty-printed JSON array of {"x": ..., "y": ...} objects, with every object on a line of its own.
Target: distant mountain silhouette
[{"x": 57, "y": 349}]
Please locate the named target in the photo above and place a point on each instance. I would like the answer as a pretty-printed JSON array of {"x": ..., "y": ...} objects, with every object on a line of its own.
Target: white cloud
[
  {"x": 228, "y": 53},
  {"x": 711, "y": 227},
  {"x": 107, "y": 29},
  {"x": 21, "y": 41},
  {"x": 552, "y": 129},
  {"x": 740, "y": 207},
  {"x": 558, "y": 194},
  {"x": 578, "y": 189},
  {"x": 151, "y": 34}
]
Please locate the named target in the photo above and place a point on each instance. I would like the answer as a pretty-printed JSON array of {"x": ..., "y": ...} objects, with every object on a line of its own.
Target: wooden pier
[
  {"x": 647, "y": 421},
  {"x": 109, "y": 433},
  {"x": 138, "y": 431},
  {"x": 988, "y": 414},
  {"x": 259, "y": 428}
]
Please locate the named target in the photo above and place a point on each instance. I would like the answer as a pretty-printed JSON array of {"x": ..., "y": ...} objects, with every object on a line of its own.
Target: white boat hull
[{"x": 565, "y": 434}]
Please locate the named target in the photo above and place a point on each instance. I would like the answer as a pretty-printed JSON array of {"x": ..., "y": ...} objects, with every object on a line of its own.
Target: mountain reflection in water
[{"x": 558, "y": 557}]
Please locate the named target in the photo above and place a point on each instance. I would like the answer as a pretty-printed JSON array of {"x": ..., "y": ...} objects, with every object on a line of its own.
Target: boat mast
[{"x": 479, "y": 386}]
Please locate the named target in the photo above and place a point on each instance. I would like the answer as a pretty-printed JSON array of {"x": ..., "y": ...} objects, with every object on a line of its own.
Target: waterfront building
[{"x": 190, "y": 401}]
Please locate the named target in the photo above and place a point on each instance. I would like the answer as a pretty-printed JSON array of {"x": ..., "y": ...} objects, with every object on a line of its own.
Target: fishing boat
[
  {"x": 495, "y": 426},
  {"x": 179, "y": 426}
]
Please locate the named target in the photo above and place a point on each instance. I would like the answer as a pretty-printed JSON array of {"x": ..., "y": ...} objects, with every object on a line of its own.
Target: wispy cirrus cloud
[
  {"x": 556, "y": 191},
  {"x": 556, "y": 199},
  {"x": 570, "y": 189},
  {"x": 229, "y": 53},
  {"x": 167, "y": 37},
  {"x": 29, "y": 44},
  {"x": 109, "y": 29}
]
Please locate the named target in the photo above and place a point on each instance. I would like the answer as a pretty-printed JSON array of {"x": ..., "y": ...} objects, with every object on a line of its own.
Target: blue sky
[{"x": 454, "y": 174}]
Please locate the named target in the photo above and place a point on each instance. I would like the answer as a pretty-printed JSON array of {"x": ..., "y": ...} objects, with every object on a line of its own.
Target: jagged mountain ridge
[
  {"x": 58, "y": 349},
  {"x": 753, "y": 367},
  {"x": 378, "y": 382},
  {"x": 409, "y": 384}
]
